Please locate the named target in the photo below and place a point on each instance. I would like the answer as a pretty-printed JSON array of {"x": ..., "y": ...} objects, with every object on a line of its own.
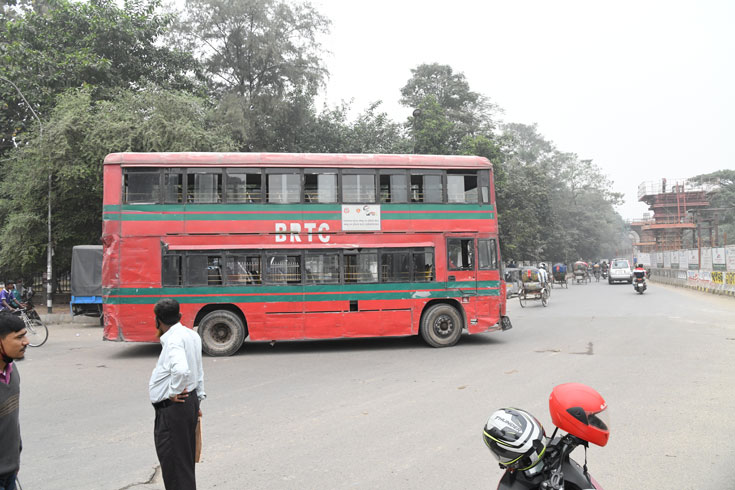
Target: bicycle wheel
[
  {"x": 37, "y": 332},
  {"x": 544, "y": 297}
]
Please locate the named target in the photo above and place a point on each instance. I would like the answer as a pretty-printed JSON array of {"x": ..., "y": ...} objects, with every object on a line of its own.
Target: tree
[
  {"x": 722, "y": 198},
  {"x": 469, "y": 113},
  {"x": 78, "y": 134},
  {"x": 61, "y": 44},
  {"x": 262, "y": 57}
]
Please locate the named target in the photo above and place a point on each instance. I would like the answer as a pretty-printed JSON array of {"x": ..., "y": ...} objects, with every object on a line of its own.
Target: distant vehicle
[
  {"x": 86, "y": 280},
  {"x": 513, "y": 282},
  {"x": 620, "y": 271}
]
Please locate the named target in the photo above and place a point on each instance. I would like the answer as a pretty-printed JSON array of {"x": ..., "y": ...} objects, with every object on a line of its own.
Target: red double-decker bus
[{"x": 266, "y": 246}]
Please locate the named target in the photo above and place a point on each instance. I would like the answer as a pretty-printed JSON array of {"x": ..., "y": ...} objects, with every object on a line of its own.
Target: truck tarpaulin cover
[{"x": 86, "y": 270}]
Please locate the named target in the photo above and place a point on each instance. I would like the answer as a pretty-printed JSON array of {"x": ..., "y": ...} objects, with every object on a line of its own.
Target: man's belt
[{"x": 168, "y": 402}]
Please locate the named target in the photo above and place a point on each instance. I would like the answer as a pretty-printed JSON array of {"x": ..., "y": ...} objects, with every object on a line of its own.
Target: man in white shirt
[{"x": 176, "y": 388}]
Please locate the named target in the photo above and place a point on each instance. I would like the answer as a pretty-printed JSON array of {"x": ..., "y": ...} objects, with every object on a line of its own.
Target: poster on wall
[
  {"x": 693, "y": 258},
  {"x": 659, "y": 259},
  {"x": 718, "y": 259},
  {"x": 667, "y": 259},
  {"x": 683, "y": 260},
  {"x": 706, "y": 259},
  {"x": 675, "y": 259},
  {"x": 644, "y": 258},
  {"x": 730, "y": 257}
]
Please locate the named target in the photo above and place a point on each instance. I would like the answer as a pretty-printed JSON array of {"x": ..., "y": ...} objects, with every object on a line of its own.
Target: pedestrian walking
[
  {"x": 176, "y": 390},
  {"x": 13, "y": 343}
]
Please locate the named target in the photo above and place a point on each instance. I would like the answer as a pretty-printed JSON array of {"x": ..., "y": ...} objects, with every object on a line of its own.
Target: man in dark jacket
[{"x": 13, "y": 343}]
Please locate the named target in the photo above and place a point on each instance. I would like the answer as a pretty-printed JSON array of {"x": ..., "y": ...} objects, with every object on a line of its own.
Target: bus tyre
[
  {"x": 441, "y": 326},
  {"x": 222, "y": 333}
]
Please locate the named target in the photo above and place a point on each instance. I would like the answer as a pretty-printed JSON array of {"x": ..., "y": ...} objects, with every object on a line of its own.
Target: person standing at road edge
[
  {"x": 13, "y": 344},
  {"x": 176, "y": 389}
]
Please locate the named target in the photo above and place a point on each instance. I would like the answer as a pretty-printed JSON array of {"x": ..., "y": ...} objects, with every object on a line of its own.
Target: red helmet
[{"x": 580, "y": 411}]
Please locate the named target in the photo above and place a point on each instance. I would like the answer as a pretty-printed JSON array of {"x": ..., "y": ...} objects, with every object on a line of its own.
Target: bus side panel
[
  {"x": 278, "y": 321},
  {"x": 151, "y": 227},
  {"x": 138, "y": 320},
  {"x": 323, "y": 319},
  {"x": 141, "y": 258}
]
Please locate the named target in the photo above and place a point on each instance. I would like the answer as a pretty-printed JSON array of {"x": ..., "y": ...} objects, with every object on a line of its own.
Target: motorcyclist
[{"x": 639, "y": 273}]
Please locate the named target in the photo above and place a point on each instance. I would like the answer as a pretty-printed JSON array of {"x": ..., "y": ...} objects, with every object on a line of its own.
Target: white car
[{"x": 620, "y": 271}]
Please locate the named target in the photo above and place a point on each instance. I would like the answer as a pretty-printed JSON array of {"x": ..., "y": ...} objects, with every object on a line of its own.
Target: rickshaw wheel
[{"x": 522, "y": 299}]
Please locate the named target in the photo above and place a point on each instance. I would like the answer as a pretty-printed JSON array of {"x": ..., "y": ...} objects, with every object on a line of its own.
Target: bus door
[
  {"x": 490, "y": 289},
  {"x": 462, "y": 272}
]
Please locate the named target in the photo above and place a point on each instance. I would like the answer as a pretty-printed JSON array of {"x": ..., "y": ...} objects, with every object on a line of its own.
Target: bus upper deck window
[
  {"x": 393, "y": 186},
  {"x": 244, "y": 185},
  {"x": 461, "y": 186},
  {"x": 283, "y": 188},
  {"x": 358, "y": 187},
  {"x": 173, "y": 186},
  {"x": 204, "y": 185},
  {"x": 142, "y": 185},
  {"x": 320, "y": 186},
  {"x": 426, "y": 187}
]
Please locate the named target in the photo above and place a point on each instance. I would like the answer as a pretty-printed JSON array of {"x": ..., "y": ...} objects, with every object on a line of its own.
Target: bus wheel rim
[{"x": 443, "y": 326}]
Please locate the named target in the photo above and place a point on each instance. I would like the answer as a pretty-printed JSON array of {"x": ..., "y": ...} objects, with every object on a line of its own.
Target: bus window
[
  {"x": 283, "y": 187},
  {"x": 426, "y": 187},
  {"x": 395, "y": 266},
  {"x": 283, "y": 268},
  {"x": 243, "y": 269},
  {"x": 358, "y": 187},
  {"x": 361, "y": 266},
  {"x": 460, "y": 254},
  {"x": 393, "y": 186},
  {"x": 172, "y": 270},
  {"x": 321, "y": 268},
  {"x": 320, "y": 186},
  {"x": 203, "y": 186},
  {"x": 244, "y": 185},
  {"x": 423, "y": 265},
  {"x": 488, "y": 253},
  {"x": 203, "y": 270},
  {"x": 484, "y": 183},
  {"x": 461, "y": 186},
  {"x": 173, "y": 186},
  {"x": 142, "y": 185}
]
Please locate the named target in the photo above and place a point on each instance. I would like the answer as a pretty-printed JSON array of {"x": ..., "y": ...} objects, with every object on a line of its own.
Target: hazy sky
[{"x": 646, "y": 89}]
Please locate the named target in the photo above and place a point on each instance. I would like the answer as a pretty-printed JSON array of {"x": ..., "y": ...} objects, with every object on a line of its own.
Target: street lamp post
[{"x": 49, "y": 248}]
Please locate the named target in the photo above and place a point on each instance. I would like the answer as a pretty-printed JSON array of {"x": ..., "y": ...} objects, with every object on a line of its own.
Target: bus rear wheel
[
  {"x": 222, "y": 333},
  {"x": 441, "y": 326}
]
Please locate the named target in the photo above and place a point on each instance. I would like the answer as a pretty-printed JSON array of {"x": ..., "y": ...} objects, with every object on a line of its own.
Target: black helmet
[{"x": 515, "y": 437}]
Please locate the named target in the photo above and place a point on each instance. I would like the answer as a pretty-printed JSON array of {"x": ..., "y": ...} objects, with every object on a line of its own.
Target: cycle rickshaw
[
  {"x": 581, "y": 272},
  {"x": 559, "y": 275},
  {"x": 532, "y": 289}
]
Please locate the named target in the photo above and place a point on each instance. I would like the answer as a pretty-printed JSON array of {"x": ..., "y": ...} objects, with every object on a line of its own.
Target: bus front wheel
[
  {"x": 441, "y": 326},
  {"x": 222, "y": 333}
]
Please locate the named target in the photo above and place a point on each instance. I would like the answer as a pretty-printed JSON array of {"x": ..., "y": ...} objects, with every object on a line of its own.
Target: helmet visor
[{"x": 600, "y": 420}]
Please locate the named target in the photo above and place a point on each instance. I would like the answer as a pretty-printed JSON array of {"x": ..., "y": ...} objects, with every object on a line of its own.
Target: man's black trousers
[{"x": 175, "y": 436}]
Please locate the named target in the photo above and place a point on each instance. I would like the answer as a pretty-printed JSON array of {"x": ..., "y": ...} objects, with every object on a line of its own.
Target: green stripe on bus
[
  {"x": 284, "y": 216},
  {"x": 294, "y": 208},
  {"x": 296, "y": 298},
  {"x": 276, "y": 294}
]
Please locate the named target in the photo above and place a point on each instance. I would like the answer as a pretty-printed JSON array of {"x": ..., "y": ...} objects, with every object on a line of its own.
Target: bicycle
[{"x": 36, "y": 330}]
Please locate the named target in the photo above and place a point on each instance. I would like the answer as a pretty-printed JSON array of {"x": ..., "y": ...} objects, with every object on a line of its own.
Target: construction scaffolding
[{"x": 680, "y": 219}]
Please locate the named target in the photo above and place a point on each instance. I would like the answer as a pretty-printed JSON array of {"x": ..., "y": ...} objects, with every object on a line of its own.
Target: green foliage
[
  {"x": 80, "y": 132},
  {"x": 263, "y": 60},
  {"x": 463, "y": 112},
  {"x": 722, "y": 198},
  {"x": 67, "y": 44}
]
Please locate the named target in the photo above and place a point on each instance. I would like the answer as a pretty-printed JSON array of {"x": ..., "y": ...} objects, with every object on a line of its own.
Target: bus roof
[{"x": 355, "y": 160}]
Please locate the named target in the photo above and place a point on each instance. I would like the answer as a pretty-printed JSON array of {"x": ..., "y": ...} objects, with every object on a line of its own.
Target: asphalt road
[{"x": 395, "y": 414}]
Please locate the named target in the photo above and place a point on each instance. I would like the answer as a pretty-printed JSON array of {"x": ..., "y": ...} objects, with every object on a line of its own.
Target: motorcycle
[
  {"x": 534, "y": 462},
  {"x": 639, "y": 284}
]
